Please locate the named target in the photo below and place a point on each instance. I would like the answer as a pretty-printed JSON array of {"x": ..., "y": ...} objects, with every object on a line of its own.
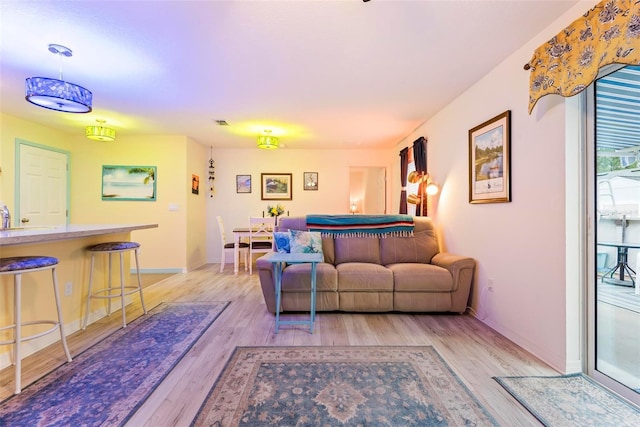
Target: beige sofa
[{"x": 373, "y": 274}]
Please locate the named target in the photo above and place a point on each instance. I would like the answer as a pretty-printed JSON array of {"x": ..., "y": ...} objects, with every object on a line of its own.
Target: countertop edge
[{"x": 44, "y": 235}]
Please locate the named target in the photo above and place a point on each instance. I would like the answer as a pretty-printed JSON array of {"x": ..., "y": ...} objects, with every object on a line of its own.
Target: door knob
[{"x": 24, "y": 220}]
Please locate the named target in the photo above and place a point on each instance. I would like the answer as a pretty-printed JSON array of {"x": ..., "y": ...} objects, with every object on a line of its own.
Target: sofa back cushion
[
  {"x": 357, "y": 249},
  {"x": 419, "y": 248}
]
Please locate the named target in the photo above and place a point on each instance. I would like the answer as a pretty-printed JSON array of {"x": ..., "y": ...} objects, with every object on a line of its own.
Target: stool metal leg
[
  {"x": 110, "y": 286},
  {"x": 63, "y": 336},
  {"x": 17, "y": 316},
  {"x": 86, "y": 311},
  {"x": 124, "y": 317},
  {"x": 144, "y": 309}
]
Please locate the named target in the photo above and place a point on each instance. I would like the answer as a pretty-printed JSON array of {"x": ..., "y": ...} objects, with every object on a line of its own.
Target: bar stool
[
  {"x": 18, "y": 266},
  {"x": 111, "y": 248}
]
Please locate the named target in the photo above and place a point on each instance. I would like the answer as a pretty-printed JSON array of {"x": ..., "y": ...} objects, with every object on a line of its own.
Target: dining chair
[
  {"x": 260, "y": 237},
  {"x": 229, "y": 248}
]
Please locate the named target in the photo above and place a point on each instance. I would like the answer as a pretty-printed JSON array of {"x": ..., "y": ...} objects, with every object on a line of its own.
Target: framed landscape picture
[
  {"x": 243, "y": 183},
  {"x": 490, "y": 160},
  {"x": 129, "y": 183},
  {"x": 276, "y": 186}
]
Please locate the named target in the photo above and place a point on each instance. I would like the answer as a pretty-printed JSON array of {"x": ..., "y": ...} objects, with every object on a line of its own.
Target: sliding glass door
[{"x": 615, "y": 291}]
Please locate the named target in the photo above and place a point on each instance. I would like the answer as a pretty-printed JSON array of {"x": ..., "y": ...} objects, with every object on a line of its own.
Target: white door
[{"x": 42, "y": 195}]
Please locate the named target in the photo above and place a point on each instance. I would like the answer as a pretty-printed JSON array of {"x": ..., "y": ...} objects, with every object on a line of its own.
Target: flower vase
[{"x": 275, "y": 224}]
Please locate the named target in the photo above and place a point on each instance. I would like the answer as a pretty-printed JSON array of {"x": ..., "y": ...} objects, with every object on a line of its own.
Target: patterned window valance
[{"x": 565, "y": 65}]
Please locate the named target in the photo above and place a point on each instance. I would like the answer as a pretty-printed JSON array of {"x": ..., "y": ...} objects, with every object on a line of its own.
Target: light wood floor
[{"x": 475, "y": 352}]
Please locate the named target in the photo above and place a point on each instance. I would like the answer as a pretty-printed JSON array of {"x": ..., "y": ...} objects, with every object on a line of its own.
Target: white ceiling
[{"x": 332, "y": 74}]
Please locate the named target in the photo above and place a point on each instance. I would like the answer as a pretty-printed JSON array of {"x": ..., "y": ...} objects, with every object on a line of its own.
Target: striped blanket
[{"x": 361, "y": 225}]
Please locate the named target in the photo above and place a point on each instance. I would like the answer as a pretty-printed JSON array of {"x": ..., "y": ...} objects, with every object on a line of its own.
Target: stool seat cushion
[
  {"x": 114, "y": 246},
  {"x": 231, "y": 245},
  {"x": 26, "y": 263}
]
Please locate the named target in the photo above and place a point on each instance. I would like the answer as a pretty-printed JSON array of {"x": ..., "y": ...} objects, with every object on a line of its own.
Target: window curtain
[
  {"x": 569, "y": 62},
  {"x": 404, "y": 163},
  {"x": 420, "y": 159}
]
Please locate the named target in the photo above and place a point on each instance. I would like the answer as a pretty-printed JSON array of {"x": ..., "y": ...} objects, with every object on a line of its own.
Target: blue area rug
[
  {"x": 107, "y": 383},
  {"x": 571, "y": 401},
  {"x": 340, "y": 386}
]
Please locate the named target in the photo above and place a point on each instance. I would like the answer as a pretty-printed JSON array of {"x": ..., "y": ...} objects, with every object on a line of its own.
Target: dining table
[{"x": 625, "y": 274}]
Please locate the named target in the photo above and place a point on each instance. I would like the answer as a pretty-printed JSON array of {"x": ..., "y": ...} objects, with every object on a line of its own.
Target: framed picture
[
  {"x": 243, "y": 183},
  {"x": 310, "y": 181},
  {"x": 195, "y": 184},
  {"x": 276, "y": 186},
  {"x": 490, "y": 160},
  {"x": 129, "y": 183}
]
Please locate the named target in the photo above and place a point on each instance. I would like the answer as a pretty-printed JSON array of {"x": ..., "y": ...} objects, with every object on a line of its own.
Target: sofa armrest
[
  {"x": 461, "y": 269},
  {"x": 267, "y": 281}
]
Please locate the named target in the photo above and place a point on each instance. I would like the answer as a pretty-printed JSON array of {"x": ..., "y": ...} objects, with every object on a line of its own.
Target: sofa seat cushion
[
  {"x": 357, "y": 249},
  {"x": 364, "y": 277},
  {"x": 414, "y": 277},
  {"x": 297, "y": 278}
]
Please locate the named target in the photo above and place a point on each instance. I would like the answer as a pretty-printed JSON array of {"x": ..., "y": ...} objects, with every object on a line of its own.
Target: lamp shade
[
  {"x": 100, "y": 133},
  {"x": 58, "y": 95},
  {"x": 268, "y": 142}
]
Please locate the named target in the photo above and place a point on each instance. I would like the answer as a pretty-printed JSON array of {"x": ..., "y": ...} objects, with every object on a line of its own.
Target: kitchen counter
[{"x": 44, "y": 234}]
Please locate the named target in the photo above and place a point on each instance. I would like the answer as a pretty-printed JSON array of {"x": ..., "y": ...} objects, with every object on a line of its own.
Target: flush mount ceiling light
[
  {"x": 100, "y": 133},
  {"x": 56, "y": 94},
  {"x": 267, "y": 141}
]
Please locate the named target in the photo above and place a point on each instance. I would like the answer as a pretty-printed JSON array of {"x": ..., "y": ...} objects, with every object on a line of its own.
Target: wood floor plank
[{"x": 474, "y": 351}]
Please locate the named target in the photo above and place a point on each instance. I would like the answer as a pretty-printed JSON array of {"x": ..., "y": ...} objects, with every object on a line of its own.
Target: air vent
[{"x": 222, "y": 123}]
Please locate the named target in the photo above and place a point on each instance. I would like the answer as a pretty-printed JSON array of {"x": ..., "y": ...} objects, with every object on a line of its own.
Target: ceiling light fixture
[
  {"x": 100, "y": 133},
  {"x": 267, "y": 141},
  {"x": 57, "y": 94}
]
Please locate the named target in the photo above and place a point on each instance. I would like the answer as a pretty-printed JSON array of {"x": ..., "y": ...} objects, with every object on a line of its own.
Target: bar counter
[{"x": 68, "y": 244}]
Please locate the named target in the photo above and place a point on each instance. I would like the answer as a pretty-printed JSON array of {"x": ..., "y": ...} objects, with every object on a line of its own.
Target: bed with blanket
[{"x": 372, "y": 263}]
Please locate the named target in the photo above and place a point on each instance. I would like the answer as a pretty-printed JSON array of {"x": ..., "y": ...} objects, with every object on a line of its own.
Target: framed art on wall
[
  {"x": 276, "y": 186},
  {"x": 129, "y": 183},
  {"x": 490, "y": 160},
  {"x": 310, "y": 181},
  {"x": 243, "y": 183}
]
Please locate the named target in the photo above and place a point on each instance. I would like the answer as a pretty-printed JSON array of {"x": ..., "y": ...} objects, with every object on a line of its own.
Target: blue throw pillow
[
  {"x": 305, "y": 242},
  {"x": 281, "y": 240}
]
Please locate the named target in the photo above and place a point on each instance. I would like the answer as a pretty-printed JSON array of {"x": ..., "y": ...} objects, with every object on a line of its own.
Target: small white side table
[{"x": 279, "y": 259}]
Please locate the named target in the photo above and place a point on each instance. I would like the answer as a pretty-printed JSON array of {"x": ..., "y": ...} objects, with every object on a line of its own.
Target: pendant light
[
  {"x": 100, "y": 132},
  {"x": 56, "y": 94},
  {"x": 267, "y": 141}
]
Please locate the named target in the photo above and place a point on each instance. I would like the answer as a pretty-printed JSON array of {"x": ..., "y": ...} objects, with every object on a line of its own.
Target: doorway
[
  {"x": 614, "y": 291},
  {"x": 42, "y": 185},
  {"x": 367, "y": 190}
]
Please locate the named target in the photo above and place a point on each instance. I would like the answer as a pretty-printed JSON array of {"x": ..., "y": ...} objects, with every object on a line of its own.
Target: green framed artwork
[{"x": 133, "y": 183}]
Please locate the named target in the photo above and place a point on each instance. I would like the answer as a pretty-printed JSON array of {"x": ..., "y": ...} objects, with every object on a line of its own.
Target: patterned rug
[
  {"x": 107, "y": 383},
  {"x": 571, "y": 400},
  {"x": 340, "y": 386}
]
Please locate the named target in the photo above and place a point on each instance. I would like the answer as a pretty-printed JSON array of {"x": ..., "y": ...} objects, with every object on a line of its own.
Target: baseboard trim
[{"x": 159, "y": 271}]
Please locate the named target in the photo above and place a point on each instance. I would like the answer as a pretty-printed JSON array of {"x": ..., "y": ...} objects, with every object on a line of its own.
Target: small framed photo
[
  {"x": 490, "y": 160},
  {"x": 276, "y": 186},
  {"x": 195, "y": 184},
  {"x": 243, "y": 183},
  {"x": 310, "y": 181}
]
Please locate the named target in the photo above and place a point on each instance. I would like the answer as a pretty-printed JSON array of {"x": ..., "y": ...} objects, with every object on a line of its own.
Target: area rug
[
  {"x": 106, "y": 384},
  {"x": 340, "y": 386},
  {"x": 571, "y": 400}
]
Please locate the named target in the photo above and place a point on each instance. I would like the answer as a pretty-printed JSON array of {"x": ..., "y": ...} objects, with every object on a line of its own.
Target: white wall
[
  {"x": 332, "y": 196},
  {"x": 520, "y": 246}
]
